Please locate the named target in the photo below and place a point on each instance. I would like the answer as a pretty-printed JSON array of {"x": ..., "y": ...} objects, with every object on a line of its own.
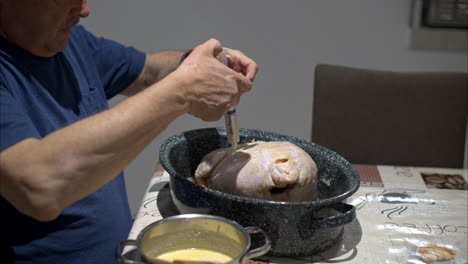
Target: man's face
[{"x": 41, "y": 27}]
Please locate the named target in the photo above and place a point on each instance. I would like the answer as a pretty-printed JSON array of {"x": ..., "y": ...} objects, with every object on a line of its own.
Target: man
[{"x": 62, "y": 192}]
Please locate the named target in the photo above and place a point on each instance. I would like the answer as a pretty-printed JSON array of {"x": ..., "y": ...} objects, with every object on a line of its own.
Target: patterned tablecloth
[{"x": 404, "y": 215}]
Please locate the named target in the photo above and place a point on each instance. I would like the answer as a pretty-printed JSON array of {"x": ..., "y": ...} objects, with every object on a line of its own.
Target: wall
[{"x": 286, "y": 38}]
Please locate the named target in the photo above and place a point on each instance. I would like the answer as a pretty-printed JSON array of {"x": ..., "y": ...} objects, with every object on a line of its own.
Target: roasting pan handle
[{"x": 338, "y": 214}]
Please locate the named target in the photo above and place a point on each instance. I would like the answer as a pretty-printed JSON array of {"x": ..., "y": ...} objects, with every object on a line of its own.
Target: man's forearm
[
  {"x": 157, "y": 66},
  {"x": 42, "y": 176}
]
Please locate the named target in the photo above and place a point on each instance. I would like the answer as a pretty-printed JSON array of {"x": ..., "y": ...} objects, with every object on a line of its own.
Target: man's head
[{"x": 41, "y": 27}]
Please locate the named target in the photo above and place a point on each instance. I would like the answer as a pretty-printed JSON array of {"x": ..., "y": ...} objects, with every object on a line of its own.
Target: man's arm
[
  {"x": 157, "y": 66},
  {"x": 40, "y": 177}
]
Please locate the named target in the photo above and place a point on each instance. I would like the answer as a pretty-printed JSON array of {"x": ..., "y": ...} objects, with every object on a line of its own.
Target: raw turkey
[{"x": 276, "y": 170}]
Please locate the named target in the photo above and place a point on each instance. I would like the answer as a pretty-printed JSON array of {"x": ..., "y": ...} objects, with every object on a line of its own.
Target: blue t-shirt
[{"x": 40, "y": 95}]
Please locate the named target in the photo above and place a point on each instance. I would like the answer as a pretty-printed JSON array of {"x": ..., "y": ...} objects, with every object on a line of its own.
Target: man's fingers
[
  {"x": 243, "y": 64},
  {"x": 236, "y": 100},
  {"x": 244, "y": 84},
  {"x": 251, "y": 71},
  {"x": 211, "y": 47}
]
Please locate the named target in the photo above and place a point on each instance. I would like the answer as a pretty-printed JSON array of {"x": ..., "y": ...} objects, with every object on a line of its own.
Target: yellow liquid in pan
[{"x": 194, "y": 254}]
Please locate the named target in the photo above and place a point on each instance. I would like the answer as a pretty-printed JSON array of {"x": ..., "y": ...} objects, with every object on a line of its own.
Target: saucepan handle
[
  {"x": 341, "y": 214},
  {"x": 122, "y": 259},
  {"x": 257, "y": 252}
]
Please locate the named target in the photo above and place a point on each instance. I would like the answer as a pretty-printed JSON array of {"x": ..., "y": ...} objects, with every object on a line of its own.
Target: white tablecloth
[{"x": 399, "y": 217}]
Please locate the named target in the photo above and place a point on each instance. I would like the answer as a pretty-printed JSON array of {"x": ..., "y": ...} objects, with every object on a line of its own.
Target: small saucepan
[{"x": 195, "y": 238}]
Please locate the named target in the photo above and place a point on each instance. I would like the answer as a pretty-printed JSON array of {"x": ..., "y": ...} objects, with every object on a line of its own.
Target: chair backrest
[{"x": 393, "y": 118}]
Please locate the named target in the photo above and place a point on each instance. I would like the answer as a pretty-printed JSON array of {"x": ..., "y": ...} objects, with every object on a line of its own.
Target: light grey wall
[{"x": 286, "y": 38}]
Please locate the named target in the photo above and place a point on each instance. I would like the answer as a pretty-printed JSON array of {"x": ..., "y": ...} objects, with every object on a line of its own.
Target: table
[{"x": 404, "y": 215}]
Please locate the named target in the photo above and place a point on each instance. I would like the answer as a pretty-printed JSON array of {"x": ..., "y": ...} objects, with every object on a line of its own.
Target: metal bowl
[
  {"x": 189, "y": 231},
  {"x": 294, "y": 228}
]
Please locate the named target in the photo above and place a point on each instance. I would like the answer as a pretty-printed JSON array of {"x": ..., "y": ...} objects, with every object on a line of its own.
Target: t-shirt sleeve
[
  {"x": 118, "y": 65},
  {"x": 15, "y": 125}
]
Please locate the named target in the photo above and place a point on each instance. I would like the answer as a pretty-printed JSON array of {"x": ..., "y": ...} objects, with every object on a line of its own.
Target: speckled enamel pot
[{"x": 295, "y": 228}]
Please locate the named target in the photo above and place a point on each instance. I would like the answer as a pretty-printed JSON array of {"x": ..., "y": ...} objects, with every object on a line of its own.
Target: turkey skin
[{"x": 275, "y": 170}]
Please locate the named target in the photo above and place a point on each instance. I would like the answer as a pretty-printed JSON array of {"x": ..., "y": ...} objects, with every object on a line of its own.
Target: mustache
[{"x": 71, "y": 22}]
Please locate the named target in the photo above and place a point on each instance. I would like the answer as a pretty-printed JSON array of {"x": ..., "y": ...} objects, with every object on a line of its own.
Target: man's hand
[{"x": 210, "y": 87}]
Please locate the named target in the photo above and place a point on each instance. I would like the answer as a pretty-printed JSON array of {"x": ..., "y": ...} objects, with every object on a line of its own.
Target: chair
[{"x": 391, "y": 118}]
